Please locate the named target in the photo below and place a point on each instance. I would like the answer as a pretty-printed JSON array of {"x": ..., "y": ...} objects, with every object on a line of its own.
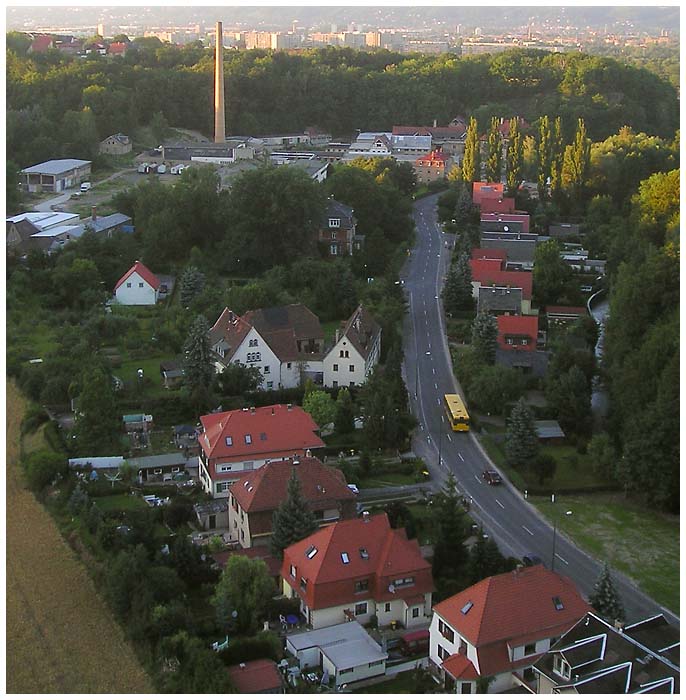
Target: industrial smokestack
[{"x": 219, "y": 115}]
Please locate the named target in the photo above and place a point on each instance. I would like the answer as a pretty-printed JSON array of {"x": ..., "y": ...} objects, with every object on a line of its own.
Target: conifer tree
[
  {"x": 464, "y": 209},
  {"x": 515, "y": 157},
  {"x": 485, "y": 336},
  {"x": 450, "y": 529},
  {"x": 197, "y": 363},
  {"x": 345, "y": 412},
  {"x": 457, "y": 294},
  {"x": 545, "y": 153},
  {"x": 292, "y": 520},
  {"x": 605, "y": 598},
  {"x": 494, "y": 161},
  {"x": 191, "y": 283},
  {"x": 471, "y": 162},
  {"x": 521, "y": 444}
]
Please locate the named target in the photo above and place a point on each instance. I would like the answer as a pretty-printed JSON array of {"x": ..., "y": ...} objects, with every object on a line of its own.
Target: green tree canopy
[
  {"x": 292, "y": 520},
  {"x": 605, "y": 598},
  {"x": 321, "y": 407},
  {"x": 485, "y": 336},
  {"x": 97, "y": 421},
  {"x": 521, "y": 443}
]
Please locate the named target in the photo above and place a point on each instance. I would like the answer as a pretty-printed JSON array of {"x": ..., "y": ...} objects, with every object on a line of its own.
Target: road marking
[
  {"x": 449, "y": 438},
  {"x": 438, "y": 401},
  {"x": 433, "y": 370},
  {"x": 527, "y": 529},
  {"x": 500, "y": 504},
  {"x": 478, "y": 481},
  {"x": 459, "y": 454},
  {"x": 435, "y": 385},
  {"x": 564, "y": 561}
]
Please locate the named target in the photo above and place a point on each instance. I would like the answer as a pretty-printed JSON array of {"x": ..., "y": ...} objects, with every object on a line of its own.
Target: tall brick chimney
[{"x": 219, "y": 115}]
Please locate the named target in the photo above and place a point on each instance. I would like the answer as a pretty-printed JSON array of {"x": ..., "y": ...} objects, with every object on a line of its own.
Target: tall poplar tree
[
  {"x": 576, "y": 161},
  {"x": 494, "y": 161},
  {"x": 557, "y": 153},
  {"x": 545, "y": 153},
  {"x": 471, "y": 162},
  {"x": 292, "y": 520},
  {"x": 515, "y": 157}
]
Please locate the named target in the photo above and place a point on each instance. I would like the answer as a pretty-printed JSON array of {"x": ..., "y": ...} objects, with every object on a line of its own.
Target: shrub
[
  {"x": 42, "y": 468},
  {"x": 265, "y": 645}
]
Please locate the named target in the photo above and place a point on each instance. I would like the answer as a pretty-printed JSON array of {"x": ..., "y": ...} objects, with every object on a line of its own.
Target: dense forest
[{"x": 60, "y": 106}]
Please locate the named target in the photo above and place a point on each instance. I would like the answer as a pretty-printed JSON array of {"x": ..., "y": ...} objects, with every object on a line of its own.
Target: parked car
[
  {"x": 531, "y": 559},
  {"x": 86, "y": 186},
  {"x": 492, "y": 478},
  {"x": 354, "y": 489}
]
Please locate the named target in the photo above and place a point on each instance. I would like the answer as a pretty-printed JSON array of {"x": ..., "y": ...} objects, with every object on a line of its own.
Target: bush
[
  {"x": 265, "y": 645},
  {"x": 42, "y": 468},
  {"x": 33, "y": 419}
]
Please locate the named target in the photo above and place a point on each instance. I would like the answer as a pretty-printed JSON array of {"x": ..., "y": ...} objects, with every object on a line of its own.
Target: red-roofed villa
[
  {"x": 138, "y": 287},
  {"x": 357, "y": 568},
  {"x": 517, "y": 333},
  {"x": 499, "y": 628}
]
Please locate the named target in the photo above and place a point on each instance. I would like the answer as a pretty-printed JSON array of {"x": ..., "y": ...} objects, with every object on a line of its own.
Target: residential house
[
  {"x": 355, "y": 352},
  {"x": 518, "y": 223},
  {"x": 503, "y": 283},
  {"x": 285, "y": 343},
  {"x": 172, "y": 374},
  {"x": 118, "y": 48},
  {"x": 40, "y": 44},
  {"x": 317, "y": 137},
  {"x": 116, "y": 145},
  {"x": 517, "y": 345},
  {"x": 345, "y": 651},
  {"x": 450, "y": 139},
  {"x": 338, "y": 229},
  {"x": 498, "y": 300},
  {"x": 137, "y": 287},
  {"x": 498, "y": 628},
  {"x": 595, "y": 657},
  {"x": 56, "y": 175},
  {"x": 235, "y": 442},
  {"x": 213, "y": 515},
  {"x": 356, "y": 569},
  {"x": 520, "y": 247},
  {"x": 370, "y": 145},
  {"x": 104, "y": 226},
  {"x": 495, "y": 255},
  {"x": 490, "y": 190},
  {"x": 564, "y": 315},
  {"x": 497, "y": 205},
  {"x": 253, "y": 499},
  {"x": 259, "y": 676},
  {"x": 163, "y": 467},
  {"x": 433, "y": 166}
]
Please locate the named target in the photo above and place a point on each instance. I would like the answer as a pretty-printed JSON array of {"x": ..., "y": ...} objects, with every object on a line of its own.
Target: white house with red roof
[
  {"x": 137, "y": 287},
  {"x": 235, "y": 442},
  {"x": 357, "y": 568},
  {"x": 499, "y": 628},
  {"x": 255, "y": 496}
]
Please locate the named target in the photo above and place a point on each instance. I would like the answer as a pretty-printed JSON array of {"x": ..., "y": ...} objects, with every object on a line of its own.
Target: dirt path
[{"x": 61, "y": 638}]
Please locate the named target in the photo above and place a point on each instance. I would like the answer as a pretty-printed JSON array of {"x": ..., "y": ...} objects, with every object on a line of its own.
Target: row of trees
[{"x": 353, "y": 88}]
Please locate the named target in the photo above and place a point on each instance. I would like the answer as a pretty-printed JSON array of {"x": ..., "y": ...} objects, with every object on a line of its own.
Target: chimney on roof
[
  {"x": 94, "y": 214},
  {"x": 619, "y": 626},
  {"x": 516, "y": 571},
  {"x": 289, "y": 406},
  {"x": 272, "y": 410}
]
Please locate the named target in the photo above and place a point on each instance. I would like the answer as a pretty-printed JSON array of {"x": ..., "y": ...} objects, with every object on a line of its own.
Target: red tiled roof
[
  {"x": 230, "y": 328},
  {"x": 502, "y": 278},
  {"x": 266, "y": 487},
  {"x": 433, "y": 158},
  {"x": 117, "y": 47},
  {"x": 483, "y": 265},
  {"x": 41, "y": 43},
  {"x": 459, "y": 666},
  {"x": 520, "y": 326},
  {"x": 272, "y": 429},
  {"x": 257, "y": 676},
  {"x": 481, "y": 190},
  {"x": 489, "y": 254},
  {"x": 513, "y": 604},
  {"x": 497, "y": 205},
  {"x": 144, "y": 272},
  {"x": 390, "y": 555}
]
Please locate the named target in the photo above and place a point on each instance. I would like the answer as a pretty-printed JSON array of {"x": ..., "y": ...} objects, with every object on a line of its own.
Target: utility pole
[{"x": 440, "y": 442}]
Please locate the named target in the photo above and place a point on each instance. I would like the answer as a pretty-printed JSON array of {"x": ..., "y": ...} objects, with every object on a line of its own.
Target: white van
[{"x": 85, "y": 186}]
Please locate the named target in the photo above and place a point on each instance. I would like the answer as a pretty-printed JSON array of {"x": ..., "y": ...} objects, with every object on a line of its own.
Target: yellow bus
[{"x": 456, "y": 412}]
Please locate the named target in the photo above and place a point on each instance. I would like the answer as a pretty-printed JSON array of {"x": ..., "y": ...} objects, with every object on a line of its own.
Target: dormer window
[
  {"x": 364, "y": 554},
  {"x": 561, "y": 667},
  {"x": 248, "y": 439},
  {"x": 334, "y": 223},
  {"x": 229, "y": 440}
]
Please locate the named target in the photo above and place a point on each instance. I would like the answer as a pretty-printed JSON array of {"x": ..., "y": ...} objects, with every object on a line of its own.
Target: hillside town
[{"x": 331, "y": 411}]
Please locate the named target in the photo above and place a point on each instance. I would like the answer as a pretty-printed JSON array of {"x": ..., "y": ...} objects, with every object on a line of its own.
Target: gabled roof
[
  {"x": 460, "y": 668},
  {"x": 257, "y": 676},
  {"x": 267, "y": 487},
  {"x": 517, "y": 325},
  {"x": 272, "y": 429},
  {"x": 482, "y": 266},
  {"x": 295, "y": 317},
  {"x": 356, "y": 549},
  {"x": 513, "y": 604},
  {"x": 230, "y": 328},
  {"x": 497, "y": 205},
  {"x": 24, "y": 228},
  {"x": 433, "y": 158},
  {"x": 338, "y": 210},
  {"x": 502, "y": 278},
  {"x": 362, "y": 330},
  {"x": 144, "y": 272},
  {"x": 121, "y": 138},
  {"x": 41, "y": 43}
]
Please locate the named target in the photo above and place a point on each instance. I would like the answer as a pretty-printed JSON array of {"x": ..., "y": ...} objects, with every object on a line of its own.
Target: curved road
[{"x": 516, "y": 525}]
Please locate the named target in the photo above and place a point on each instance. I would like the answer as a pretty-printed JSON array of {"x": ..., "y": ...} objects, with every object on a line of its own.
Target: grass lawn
[
  {"x": 390, "y": 479},
  {"x": 119, "y": 502},
  {"x": 642, "y": 543},
  {"x": 127, "y": 372},
  {"x": 400, "y": 684}
]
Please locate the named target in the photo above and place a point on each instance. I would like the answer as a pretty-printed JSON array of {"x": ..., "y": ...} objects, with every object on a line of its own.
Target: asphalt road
[{"x": 516, "y": 525}]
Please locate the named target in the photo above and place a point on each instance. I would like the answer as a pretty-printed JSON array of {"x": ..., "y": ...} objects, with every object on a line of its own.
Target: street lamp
[
  {"x": 440, "y": 442},
  {"x": 555, "y": 520}
]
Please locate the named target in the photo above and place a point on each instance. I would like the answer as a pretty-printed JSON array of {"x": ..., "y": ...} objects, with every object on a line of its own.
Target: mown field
[{"x": 61, "y": 638}]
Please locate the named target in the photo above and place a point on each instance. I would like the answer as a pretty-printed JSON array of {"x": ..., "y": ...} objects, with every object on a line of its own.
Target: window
[
  {"x": 558, "y": 603},
  {"x": 303, "y": 583},
  {"x": 529, "y": 649},
  {"x": 253, "y": 343},
  {"x": 342, "y": 355},
  {"x": 446, "y": 631},
  {"x": 128, "y": 284},
  {"x": 248, "y": 439},
  {"x": 400, "y": 582},
  {"x": 311, "y": 551},
  {"x": 347, "y": 354},
  {"x": 335, "y": 368},
  {"x": 263, "y": 436},
  {"x": 288, "y": 365},
  {"x": 351, "y": 368},
  {"x": 248, "y": 465},
  {"x": 387, "y": 607},
  {"x": 375, "y": 663},
  {"x": 345, "y": 670},
  {"x": 561, "y": 667},
  {"x": 158, "y": 471},
  {"x": 442, "y": 653},
  {"x": 221, "y": 487},
  {"x": 345, "y": 558},
  {"x": 525, "y": 341},
  {"x": 270, "y": 385},
  {"x": 364, "y": 554},
  {"x": 361, "y": 609},
  {"x": 334, "y": 249},
  {"x": 509, "y": 341},
  {"x": 266, "y": 369},
  {"x": 335, "y": 384},
  {"x": 352, "y": 383},
  {"x": 415, "y": 612},
  {"x": 294, "y": 571},
  {"x": 140, "y": 285},
  {"x": 333, "y": 235},
  {"x": 229, "y": 440},
  {"x": 361, "y": 586},
  {"x": 465, "y": 688},
  {"x": 334, "y": 223}
]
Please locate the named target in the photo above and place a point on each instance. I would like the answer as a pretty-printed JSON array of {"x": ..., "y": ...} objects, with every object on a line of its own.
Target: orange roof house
[
  {"x": 517, "y": 332},
  {"x": 502, "y": 625}
]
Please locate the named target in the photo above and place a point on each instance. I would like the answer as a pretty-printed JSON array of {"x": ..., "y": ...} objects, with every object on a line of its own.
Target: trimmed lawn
[
  {"x": 119, "y": 502},
  {"x": 642, "y": 543},
  {"x": 399, "y": 684},
  {"x": 151, "y": 370}
]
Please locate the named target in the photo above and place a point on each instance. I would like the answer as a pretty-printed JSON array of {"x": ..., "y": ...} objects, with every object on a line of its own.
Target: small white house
[{"x": 138, "y": 287}]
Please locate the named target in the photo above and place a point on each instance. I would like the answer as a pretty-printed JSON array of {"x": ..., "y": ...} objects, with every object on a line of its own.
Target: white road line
[
  {"x": 438, "y": 401},
  {"x": 564, "y": 561},
  {"x": 527, "y": 529},
  {"x": 435, "y": 385},
  {"x": 459, "y": 454},
  {"x": 449, "y": 438},
  {"x": 478, "y": 481},
  {"x": 500, "y": 504},
  {"x": 433, "y": 370}
]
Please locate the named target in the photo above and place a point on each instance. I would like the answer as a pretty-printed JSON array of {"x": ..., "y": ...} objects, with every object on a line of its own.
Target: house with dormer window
[
  {"x": 497, "y": 629},
  {"x": 234, "y": 443},
  {"x": 357, "y": 569},
  {"x": 337, "y": 233}
]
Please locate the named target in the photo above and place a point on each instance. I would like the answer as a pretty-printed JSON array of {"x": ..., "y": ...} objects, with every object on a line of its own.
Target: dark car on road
[
  {"x": 531, "y": 559},
  {"x": 492, "y": 477}
]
